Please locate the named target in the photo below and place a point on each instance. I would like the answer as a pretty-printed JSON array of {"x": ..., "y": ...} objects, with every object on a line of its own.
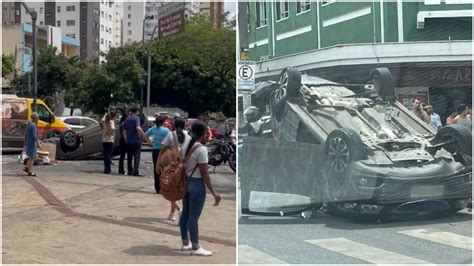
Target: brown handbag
[{"x": 171, "y": 154}]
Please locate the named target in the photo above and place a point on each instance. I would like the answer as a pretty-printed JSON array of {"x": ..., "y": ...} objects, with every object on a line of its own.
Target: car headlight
[{"x": 363, "y": 181}]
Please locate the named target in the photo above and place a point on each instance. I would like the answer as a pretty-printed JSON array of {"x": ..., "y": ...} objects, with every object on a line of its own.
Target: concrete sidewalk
[{"x": 71, "y": 213}]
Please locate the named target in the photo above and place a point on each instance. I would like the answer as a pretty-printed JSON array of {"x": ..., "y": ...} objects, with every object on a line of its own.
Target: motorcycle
[{"x": 221, "y": 151}]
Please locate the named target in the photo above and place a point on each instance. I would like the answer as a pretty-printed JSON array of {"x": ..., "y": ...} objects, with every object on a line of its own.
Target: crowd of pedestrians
[{"x": 425, "y": 112}]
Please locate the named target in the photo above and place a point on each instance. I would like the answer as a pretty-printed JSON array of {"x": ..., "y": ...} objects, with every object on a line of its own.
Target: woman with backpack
[
  {"x": 178, "y": 137},
  {"x": 198, "y": 179}
]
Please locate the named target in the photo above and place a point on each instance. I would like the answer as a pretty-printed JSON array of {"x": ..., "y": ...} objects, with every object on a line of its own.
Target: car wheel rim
[
  {"x": 377, "y": 84},
  {"x": 284, "y": 80},
  {"x": 279, "y": 95},
  {"x": 339, "y": 155},
  {"x": 69, "y": 138}
]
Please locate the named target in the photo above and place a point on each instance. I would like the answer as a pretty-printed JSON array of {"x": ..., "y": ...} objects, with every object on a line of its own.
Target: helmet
[
  {"x": 176, "y": 115},
  {"x": 252, "y": 114}
]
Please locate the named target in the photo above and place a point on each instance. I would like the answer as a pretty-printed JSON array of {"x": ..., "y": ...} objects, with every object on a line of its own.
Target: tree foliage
[
  {"x": 195, "y": 70},
  {"x": 8, "y": 65}
]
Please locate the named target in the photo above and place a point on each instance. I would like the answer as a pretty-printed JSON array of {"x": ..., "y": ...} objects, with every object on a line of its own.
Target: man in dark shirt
[{"x": 133, "y": 135}]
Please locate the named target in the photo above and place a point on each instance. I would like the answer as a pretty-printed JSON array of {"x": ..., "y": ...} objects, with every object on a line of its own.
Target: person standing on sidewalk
[
  {"x": 159, "y": 132},
  {"x": 133, "y": 135},
  {"x": 180, "y": 138},
  {"x": 197, "y": 180},
  {"x": 123, "y": 145},
  {"x": 31, "y": 144},
  {"x": 108, "y": 139}
]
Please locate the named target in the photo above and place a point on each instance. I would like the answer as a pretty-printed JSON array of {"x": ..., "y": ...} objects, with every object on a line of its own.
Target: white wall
[
  {"x": 133, "y": 14},
  {"x": 63, "y": 16}
]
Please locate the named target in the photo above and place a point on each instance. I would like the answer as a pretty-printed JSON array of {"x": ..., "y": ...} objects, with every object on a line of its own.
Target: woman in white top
[
  {"x": 168, "y": 141},
  {"x": 108, "y": 138},
  {"x": 197, "y": 180}
]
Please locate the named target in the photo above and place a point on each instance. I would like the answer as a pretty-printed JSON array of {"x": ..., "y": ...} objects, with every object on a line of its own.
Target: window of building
[
  {"x": 58, "y": 24},
  {"x": 101, "y": 27},
  {"x": 303, "y": 6},
  {"x": 70, "y": 22},
  {"x": 96, "y": 11},
  {"x": 102, "y": 13},
  {"x": 129, "y": 32},
  {"x": 101, "y": 41},
  {"x": 327, "y": 2},
  {"x": 70, "y": 8},
  {"x": 129, "y": 7},
  {"x": 282, "y": 10},
  {"x": 58, "y": 9},
  {"x": 130, "y": 24},
  {"x": 110, "y": 17},
  {"x": 41, "y": 10},
  {"x": 129, "y": 15},
  {"x": 129, "y": 40},
  {"x": 72, "y": 35},
  {"x": 83, "y": 21},
  {"x": 41, "y": 23},
  {"x": 261, "y": 13}
]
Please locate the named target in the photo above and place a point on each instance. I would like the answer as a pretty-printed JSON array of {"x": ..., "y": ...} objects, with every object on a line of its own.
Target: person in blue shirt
[
  {"x": 158, "y": 132},
  {"x": 133, "y": 135},
  {"x": 31, "y": 144},
  {"x": 435, "y": 120}
]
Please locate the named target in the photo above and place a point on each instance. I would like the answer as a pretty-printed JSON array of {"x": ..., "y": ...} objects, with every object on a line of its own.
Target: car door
[{"x": 74, "y": 123}]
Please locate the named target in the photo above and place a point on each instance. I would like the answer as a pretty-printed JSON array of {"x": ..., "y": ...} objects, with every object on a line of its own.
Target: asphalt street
[
  {"x": 327, "y": 239},
  {"x": 73, "y": 213}
]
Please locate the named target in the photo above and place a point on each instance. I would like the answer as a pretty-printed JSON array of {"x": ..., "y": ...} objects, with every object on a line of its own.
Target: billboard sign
[{"x": 170, "y": 19}]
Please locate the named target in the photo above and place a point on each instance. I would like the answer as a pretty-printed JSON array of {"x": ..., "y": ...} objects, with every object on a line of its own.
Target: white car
[{"x": 78, "y": 122}]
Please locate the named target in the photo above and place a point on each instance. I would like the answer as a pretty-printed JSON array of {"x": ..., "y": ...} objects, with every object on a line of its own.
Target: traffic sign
[{"x": 246, "y": 75}]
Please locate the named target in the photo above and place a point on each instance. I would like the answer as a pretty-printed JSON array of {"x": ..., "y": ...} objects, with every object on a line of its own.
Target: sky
[{"x": 231, "y": 7}]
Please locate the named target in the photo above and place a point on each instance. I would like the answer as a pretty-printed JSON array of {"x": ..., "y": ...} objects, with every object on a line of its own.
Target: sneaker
[
  {"x": 172, "y": 217},
  {"x": 186, "y": 248},
  {"x": 201, "y": 252}
]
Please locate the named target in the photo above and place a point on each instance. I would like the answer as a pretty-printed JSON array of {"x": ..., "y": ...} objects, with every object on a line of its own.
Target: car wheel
[
  {"x": 53, "y": 134},
  {"x": 232, "y": 161},
  {"x": 69, "y": 141},
  {"x": 458, "y": 139},
  {"x": 342, "y": 147},
  {"x": 290, "y": 80},
  {"x": 277, "y": 103},
  {"x": 383, "y": 83}
]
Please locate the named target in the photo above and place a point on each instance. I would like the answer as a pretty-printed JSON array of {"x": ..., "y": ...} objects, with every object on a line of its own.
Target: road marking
[
  {"x": 364, "y": 252},
  {"x": 445, "y": 238},
  {"x": 250, "y": 255}
]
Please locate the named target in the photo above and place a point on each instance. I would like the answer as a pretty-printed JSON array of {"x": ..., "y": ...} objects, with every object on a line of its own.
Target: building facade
[
  {"x": 94, "y": 24},
  {"x": 426, "y": 44},
  {"x": 18, "y": 41},
  {"x": 133, "y": 15}
]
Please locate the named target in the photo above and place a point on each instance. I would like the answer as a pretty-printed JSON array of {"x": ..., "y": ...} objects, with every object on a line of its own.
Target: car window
[
  {"x": 72, "y": 121},
  {"x": 44, "y": 114},
  {"x": 87, "y": 122}
]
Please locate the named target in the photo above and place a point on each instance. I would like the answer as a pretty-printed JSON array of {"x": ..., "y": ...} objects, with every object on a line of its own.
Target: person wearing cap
[
  {"x": 253, "y": 126},
  {"x": 435, "y": 120},
  {"x": 31, "y": 144}
]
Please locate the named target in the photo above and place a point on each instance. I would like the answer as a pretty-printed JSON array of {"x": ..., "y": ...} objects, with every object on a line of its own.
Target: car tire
[
  {"x": 343, "y": 146},
  {"x": 69, "y": 141},
  {"x": 383, "y": 83},
  {"x": 277, "y": 103},
  {"x": 461, "y": 135},
  {"x": 290, "y": 80}
]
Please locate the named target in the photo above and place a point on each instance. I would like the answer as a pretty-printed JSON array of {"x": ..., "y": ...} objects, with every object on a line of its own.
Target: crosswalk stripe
[
  {"x": 364, "y": 252},
  {"x": 445, "y": 238},
  {"x": 250, "y": 255}
]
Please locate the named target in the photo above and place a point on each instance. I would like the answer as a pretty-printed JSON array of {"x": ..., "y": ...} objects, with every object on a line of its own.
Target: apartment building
[
  {"x": 132, "y": 24},
  {"x": 95, "y": 24}
]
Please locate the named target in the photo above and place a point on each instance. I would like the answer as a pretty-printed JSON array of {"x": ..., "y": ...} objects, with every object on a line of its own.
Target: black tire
[
  {"x": 53, "y": 134},
  {"x": 232, "y": 161},
  {"x": 459, "y": 136},
  {"x": 277, "y": 103},
  {"x": 69, "y": 141},
  {"x": 383, "y": 82},
  {"x": 343, "y": 146},
  {"x": 290, "y": 80}
]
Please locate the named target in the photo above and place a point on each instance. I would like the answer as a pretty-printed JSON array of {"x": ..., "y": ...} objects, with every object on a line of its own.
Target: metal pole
[
  {"x": 35, "y": 62},
  {"x": 143, "y": 45},
  {"x": 149, "y": 72}
]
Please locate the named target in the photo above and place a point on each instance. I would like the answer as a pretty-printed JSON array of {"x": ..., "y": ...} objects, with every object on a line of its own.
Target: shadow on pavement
[
  {"x": 154, "y": 250},
  {"x": 147, "y": 220}
]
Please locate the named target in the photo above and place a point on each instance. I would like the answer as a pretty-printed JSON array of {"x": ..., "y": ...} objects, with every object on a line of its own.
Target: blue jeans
[
  {"x": 107, "y": 148},
  {"x": 193, "y": 202}
]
